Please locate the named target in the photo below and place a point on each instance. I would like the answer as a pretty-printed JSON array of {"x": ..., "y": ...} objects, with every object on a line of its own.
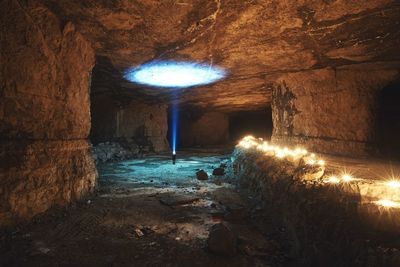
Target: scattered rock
[
  {"x": 111, "y": 151},
  {"x": 139, "y": 232},
  {"x": 219, "y": 171},
  {"x": 39, "y": 247},
  {"x": 222, "y": 240},
  {"x": 202, "y": 175}
]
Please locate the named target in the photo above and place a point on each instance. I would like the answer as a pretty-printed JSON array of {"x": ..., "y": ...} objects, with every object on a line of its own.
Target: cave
[
  {"x": 199, "y": 133},
  {"x": 258, "y": 123}
]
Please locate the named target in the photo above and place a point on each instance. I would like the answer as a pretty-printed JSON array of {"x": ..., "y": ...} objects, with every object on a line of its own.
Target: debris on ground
[
  {"x": 39, "y": 248},
  {"x": 133, "y": 221},
  {"x": 139, "y": 232},
  {"x": 202, "y": 175},
  {"x": 219, "y": 171}
]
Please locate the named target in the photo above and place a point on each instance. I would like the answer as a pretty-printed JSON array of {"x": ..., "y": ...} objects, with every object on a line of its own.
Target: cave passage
[
  {"x": 284, "y": 117},
  {"x": 257, "y": 123}
]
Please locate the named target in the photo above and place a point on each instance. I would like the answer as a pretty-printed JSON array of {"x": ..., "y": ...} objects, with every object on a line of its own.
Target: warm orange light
[
  {"x": 311, "y": 161},
  {"x": 249, "y": 137},
  {"x": 388, "y": 203},
  {"x": 347, "y": 178},
  {"x": 333, "y": 180},
  {"x": 393, "y": 183},
  {"x": 280, "y": 154}
]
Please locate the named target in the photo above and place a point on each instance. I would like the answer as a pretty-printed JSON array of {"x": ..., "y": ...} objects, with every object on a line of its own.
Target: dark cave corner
[
  {"x": 200, "y": 128},
  {"x": 388, "y": 122},
  {"x": 257, "y": 123}
]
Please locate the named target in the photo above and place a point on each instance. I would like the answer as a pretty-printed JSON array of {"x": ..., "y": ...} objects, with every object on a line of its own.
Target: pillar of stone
[{"x": 45, "y": 70}]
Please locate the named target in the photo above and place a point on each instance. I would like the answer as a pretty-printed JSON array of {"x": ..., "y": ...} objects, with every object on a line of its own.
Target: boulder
[
  {"x": 111, "y": 151},
  {"x": 202, "y": 175},
  {"x": 219, "y": 171}
]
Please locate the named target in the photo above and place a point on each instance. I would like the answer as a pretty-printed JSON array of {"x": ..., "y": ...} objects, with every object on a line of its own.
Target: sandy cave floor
[{"x": 148, "y": 212}]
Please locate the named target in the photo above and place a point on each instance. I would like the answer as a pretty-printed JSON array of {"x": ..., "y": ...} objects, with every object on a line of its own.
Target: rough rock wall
[
  {"x": 251, "y": 39},
  {"x": 44, "y": 111},
  {"x": 211, "y": 128},
  {"x": 322, "y": 223},
  {"x": 142, "y": 123},
  {"x": 330, "y": 110}
]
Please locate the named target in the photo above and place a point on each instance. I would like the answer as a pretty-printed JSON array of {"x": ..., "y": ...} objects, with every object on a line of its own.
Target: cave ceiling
[{"x": 253, "y": 40}]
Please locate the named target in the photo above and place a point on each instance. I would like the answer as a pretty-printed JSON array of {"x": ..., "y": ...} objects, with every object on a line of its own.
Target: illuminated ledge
[{"x": 294, "y": 181}]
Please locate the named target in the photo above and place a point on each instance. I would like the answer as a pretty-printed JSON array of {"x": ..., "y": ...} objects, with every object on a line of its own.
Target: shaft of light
[{"x": 174, "y": 126}]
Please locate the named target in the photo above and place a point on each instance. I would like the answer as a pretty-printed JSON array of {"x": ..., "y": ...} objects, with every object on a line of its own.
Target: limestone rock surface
[
  {"x": 206, "y": 129},
  {"x": 251, "y": 39},
  {"x": 45, "y": 157},
  {"x": 330, "y": 110},
  {"x": 145, "y": 125}
]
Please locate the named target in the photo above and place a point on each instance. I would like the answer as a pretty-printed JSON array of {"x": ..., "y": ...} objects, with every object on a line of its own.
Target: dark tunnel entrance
[
  {"x": 257, "y": 123},
  {"x": 388, "y": 121},
  {"x": 211, "y": 129}
]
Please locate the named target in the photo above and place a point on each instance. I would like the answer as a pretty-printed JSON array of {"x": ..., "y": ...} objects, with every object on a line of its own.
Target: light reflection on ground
[{"x": 158, "y": 170}]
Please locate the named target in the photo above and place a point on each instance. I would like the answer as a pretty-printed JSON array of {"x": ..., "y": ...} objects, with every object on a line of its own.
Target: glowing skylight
[{"x": 174, "y": 74}]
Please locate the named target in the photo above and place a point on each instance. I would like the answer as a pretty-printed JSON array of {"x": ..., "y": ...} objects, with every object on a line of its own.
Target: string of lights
[{"x": 390, "y": 187}]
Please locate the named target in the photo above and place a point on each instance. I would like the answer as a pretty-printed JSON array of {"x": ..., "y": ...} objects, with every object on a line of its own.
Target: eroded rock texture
[
  {"x": 136, "y": 122},
  {"x": 251, "y": 39},
  {"x": 305, "y": 53},
  {"x": 331, "y": 110},
  {"x": 44, "y": 111},
  {"x": 322, "y": 221},
  {"x": 341, "y": 52}
]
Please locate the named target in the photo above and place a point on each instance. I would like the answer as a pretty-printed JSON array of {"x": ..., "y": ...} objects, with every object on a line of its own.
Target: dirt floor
[{"x": 148, "y": 212}]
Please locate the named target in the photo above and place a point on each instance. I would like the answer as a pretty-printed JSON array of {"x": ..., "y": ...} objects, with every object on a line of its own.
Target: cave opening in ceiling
[{"x": 174, "y": 74}]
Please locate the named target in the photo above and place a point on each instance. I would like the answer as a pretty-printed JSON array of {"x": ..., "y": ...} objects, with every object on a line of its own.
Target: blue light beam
[
  {"x": 174, "y": 74},
  {"x": 174, "y": 126}
]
